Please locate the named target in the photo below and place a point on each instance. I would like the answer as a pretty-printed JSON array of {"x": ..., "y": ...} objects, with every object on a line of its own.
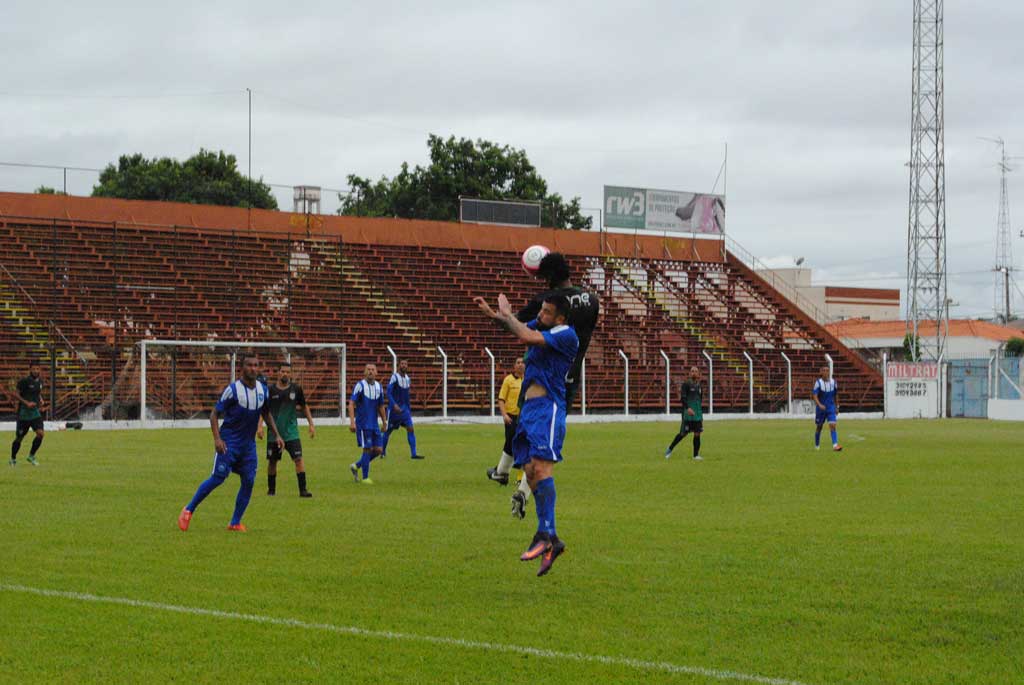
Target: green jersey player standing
[
  {"x": 693, "y": 416},
  {"x": 286, "y": 399}
]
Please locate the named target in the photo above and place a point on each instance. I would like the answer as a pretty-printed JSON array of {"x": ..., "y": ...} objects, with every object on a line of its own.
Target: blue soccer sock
[
  {"x": 242, "y": 500},
  {"x": 364, "y": 463},
  {"x": 544, "y": 500},
  {"x": 204, "y": 489},
  {"x": 412, "y": 443},
  {"x": 817, "y": 437},
  {"x": 835, "y": 437}
]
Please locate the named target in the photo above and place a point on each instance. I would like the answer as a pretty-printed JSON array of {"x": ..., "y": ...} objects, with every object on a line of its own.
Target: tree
[
  {"x": 207, "y": 178},
  {"x": 479, "y": 169},
  {"x": 1015, "y": 347},
  {"x": 911, "y": 347},
  {"x": 47, "y": 190}
]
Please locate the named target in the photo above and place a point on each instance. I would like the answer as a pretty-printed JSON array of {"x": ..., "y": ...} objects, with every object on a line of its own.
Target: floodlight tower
[
  {"x": 1004, "y": 248},
  {"x": 927, "y": 302}
]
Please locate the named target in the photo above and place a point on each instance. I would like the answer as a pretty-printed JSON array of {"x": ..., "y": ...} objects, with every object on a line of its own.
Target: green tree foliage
[
  {"x": 47, "y": 190},
  {"x": 1015, "y": 347},
  {"x": 479, "y": 169},
  {"x": 911, "y": 347},
  {"x": 207, "y": 178}
]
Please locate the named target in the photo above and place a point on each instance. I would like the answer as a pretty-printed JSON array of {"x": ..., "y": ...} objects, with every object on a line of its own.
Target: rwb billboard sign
[{"x": 663, "y": 210}]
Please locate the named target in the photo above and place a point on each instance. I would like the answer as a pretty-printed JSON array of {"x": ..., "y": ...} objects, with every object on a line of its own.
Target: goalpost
[{"x": 185, "y": 376}]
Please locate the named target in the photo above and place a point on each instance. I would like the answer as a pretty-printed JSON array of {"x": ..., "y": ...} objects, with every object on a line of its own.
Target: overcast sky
[{"x": 813, "y": 99}]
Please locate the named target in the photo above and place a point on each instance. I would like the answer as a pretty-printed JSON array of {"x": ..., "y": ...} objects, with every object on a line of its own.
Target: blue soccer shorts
[
  {"x": 368, "y": 438},
  {"x": 826, "y": 415},
  {"x": 239, "y": 458},
  {"x": 540, "y": 433},
  {"x": 399, "y": 418}
]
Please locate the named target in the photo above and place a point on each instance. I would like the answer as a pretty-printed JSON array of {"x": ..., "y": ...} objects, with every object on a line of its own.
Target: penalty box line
[{"x": 637, "y": 664}]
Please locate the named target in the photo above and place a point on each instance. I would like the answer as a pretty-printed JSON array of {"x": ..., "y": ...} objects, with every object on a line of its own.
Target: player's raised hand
[
  {"x": 484, "y": 307},
  {"x": 504, "y": 308}
]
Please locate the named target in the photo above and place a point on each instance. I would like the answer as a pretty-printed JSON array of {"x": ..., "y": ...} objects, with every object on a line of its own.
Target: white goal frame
[{"x": 235, "y": 346}]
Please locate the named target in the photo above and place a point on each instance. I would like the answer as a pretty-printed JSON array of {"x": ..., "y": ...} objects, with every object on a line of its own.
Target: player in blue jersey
[
  {"x": 537, "y": 444},
  {"x": 241, "y": 404},
  {"x": 365, "y": 407},
  {"x": 825, "y": 407},
  {"x": 399, "y": 412}
]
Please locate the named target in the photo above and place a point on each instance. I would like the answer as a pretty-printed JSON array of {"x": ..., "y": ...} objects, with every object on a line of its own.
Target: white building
[{"x": 832, "y": 303}]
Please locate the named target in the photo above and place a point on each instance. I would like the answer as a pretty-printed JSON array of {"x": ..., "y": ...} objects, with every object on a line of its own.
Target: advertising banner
[
  {"x": 664, "y": 210},
  {"x": 912, "y": 390}
]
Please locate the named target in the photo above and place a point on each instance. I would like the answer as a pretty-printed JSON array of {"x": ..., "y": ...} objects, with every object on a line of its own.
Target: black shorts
[
  {"x": 23, "y": 426},
  {"x": 688, "y": 426},
  {"x": 294, "y": 448},
  {"x": 510, "y": 432}
]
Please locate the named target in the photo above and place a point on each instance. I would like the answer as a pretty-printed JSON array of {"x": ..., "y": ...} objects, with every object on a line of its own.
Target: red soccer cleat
[
  {"x": 837, "y": 448},
  {"x": 184, "y": 518},
  {"x": 238, "y": 527}
]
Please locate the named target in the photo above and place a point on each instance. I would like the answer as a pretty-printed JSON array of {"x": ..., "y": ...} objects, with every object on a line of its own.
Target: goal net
[{"x": 182, "y": 379}]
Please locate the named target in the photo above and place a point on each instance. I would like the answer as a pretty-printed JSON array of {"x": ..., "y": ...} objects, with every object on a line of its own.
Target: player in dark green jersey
[
  {"x": 286, "y": 399},
  {"x": 29, "y": 391},
  {"x": 693, "y": 417}
]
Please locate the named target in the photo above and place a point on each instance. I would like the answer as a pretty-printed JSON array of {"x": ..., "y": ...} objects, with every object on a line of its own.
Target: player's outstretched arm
[
  {"x": 309, "y": 420},
  {"x": 218, "y": 444},
  {"x": 508, "y": 319},
  {"x": 269, "y": 418}
]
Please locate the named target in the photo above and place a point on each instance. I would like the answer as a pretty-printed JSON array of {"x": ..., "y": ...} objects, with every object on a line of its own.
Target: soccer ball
[{"x": 532, "y": 256}]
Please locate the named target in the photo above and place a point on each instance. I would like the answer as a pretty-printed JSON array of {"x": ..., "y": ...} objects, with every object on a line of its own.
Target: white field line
[{"x": 637, "y": 664}]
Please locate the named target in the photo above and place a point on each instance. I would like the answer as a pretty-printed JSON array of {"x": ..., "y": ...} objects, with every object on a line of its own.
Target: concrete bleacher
[{"x": 90, "y": 278}]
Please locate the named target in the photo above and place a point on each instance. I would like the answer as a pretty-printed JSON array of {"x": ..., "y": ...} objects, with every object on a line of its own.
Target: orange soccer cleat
[
  {"x": 238, "y": 527},
  {"x": 184, "y": 518}
]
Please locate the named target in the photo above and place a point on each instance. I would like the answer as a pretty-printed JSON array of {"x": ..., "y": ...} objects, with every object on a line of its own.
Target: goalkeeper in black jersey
[{"x": 693, "y": 418}]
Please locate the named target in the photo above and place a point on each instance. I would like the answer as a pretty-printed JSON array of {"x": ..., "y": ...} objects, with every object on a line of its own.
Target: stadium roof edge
[{"x": 362, "y": 230}]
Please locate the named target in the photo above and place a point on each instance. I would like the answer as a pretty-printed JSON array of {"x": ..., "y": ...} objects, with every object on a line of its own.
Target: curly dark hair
[{"x": 553, "y": 268}]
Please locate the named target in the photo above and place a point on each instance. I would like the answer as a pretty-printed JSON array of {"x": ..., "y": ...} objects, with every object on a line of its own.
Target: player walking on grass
[
  {"x": 29, "y": 392},
  {"x": 537, "y": 444},
  {"x": 286, "y": 399},
  {"x": 365, "y": 407},
  {"x": 399, "y": 410},
  {"x": 241, "y": 404},
  {"x": 825, "y": 408},
  {"x": 693, "y": 417}
]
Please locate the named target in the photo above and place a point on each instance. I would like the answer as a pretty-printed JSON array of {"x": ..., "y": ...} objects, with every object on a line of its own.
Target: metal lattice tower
[
  {"x": 927, "y": 304},
  {"x": 1004, "y": 247}
]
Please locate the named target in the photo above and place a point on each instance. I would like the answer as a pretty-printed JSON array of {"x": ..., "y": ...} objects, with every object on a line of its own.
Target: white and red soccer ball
[{"x": 532, "y": 257}]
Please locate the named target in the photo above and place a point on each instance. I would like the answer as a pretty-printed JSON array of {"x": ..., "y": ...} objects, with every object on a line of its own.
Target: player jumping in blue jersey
[
  {"x": 537, "y": 444},
  {"x": 825, "y": 409},
  {"x": 365, "y": 407},
  {"x": 399, "y": 410},
  {"x": 241, "y": 404}
]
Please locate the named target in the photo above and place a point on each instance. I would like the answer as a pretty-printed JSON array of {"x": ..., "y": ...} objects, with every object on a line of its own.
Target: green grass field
[{"x": 900, "y": 560}]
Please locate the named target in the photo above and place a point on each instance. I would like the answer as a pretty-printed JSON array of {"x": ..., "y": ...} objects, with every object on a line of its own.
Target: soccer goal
[{"x": 182, "y": 379}]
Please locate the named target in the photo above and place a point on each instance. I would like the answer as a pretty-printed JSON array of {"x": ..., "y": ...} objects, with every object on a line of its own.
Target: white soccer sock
[
  {"x": 504, "y": 464},
  {"x": 524, "y": 487}
]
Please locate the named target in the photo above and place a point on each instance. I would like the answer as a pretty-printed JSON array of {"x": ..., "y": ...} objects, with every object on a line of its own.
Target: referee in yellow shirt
[{"x": 508, "y": 404}]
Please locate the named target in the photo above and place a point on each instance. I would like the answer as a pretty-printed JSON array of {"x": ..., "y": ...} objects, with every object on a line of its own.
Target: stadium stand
[{"x": 86, "y": 279}]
